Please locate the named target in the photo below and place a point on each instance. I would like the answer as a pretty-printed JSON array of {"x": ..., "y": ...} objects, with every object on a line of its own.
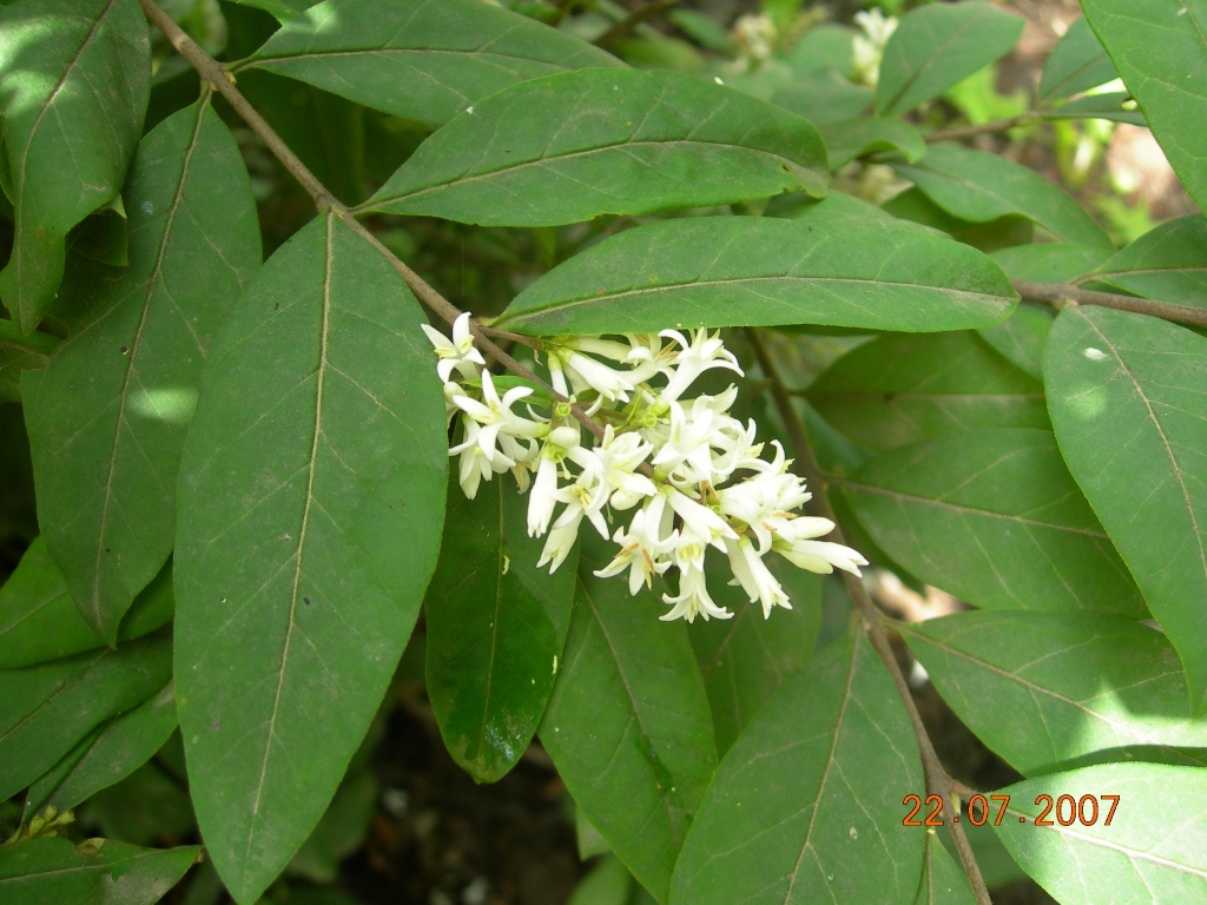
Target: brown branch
[
  {"x": 1059, "y": 294},
  {"x": 1000, "y": 125},
  {"x": 937, "y": 778},
  {"x": 631, "y": 21}
]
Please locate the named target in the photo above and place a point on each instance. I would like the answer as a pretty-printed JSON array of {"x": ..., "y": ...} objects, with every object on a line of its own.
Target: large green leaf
[
  {"x": 1050, "y": 262},
  {"x": 895, "y": 390},
  {"x": 807, "y": 808},
  {"x": 748, "y": 271},
  {"x": 936, "y": 46},
  {"x": 311, "y": 497},
  {"x": 420, "y": 59},
  {"x": 1046, "y": 688},
  {"x": 1154, "y": 851},
  {"x": 1126, "y": 395},
  {"x": 978, "y": 186},
  {"x": 824, "y": 96},
  {"x": 100, "y": 870},
  {"x": 67, "y": 131},
  {"x": 39, "y": 621},
  {"x": 108, "y": 416},
  {"x": 1160, "y": 49},
  {"x": 628, "y": 724},
  {"x": 1077, "y": 63},
  {"x": 604, "y": 141},
  {"x": 851, "y": 138},
  {"x": 943, "y": 882},
  {"x": 1169, "y": 263},
  {"x": 993, "y": 517},
  {"x": 1022, "y": 338},
  {"x": 495, "y": 625},
  {"x": 745, "y": 659},
  {"x": 48, "y": 708}
]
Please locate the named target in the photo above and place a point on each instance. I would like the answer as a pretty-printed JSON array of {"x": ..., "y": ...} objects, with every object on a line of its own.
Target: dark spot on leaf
[
  {"x": 889, "y": 397},
  {"x": 124, "y": 350},
  {"x": 108, "y": 549},
  {"x": 276, "y": 307},
  {"x": 306, "y": 600}
]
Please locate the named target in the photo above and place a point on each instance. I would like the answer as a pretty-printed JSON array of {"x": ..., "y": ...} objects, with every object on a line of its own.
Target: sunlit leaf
[{"x": 1168, "y": 263}]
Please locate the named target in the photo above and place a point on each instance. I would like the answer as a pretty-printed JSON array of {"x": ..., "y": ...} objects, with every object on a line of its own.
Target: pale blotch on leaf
[
  {"x": 172, "y": 404},
  {"x": 1094, "y": 354}
]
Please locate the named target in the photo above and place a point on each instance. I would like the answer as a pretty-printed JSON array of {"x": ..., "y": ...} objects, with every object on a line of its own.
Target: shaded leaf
[
  {"x": 628, "y": 724},
  {"x": 99, "y": 870},
  {"x": 419, "y": 59},
  {"x": 1022, "y": 338},
  {"x": 49, "y": 708},
  {"x": 851, "y": 138},
  {"x": 1155, "y": 849},
  {"x": 340, "y": 832},
  {"x": 745, "y": 271},
  {"x": 1159, "y": 48},
  {"x": 1077, "y": 63},
  {"x": 495, "y": 626},
  {"x": 108, "y": 416},
  {"x": 898, "y": 389},
  {"x": 808, "y": 809},
  {"x": 1109, "y": 106},
  {"x": 20, "y": 353},
  {"x": 311, "y": 497},
  {"x": 943, "y": 881},
  {"x": 978, "y": 186},
  {"x": 1169, "y": 263},
  {"x": 936, "y": 46},
  {"x": 1046, "y": 688},
  {"x": 914, "y": 206},
  {"x": 1126, "y": 393},
  {"x": 824, "y": 96},
  {"x": 993, "y": 517},
  {"x": 604, "y": 141},
  {"x": 66, "y": 144},
  {"x": 1049, "y": 262}
]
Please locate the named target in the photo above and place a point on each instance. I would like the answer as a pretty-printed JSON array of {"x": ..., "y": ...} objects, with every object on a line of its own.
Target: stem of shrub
[{"x": 1059, "y": 294}]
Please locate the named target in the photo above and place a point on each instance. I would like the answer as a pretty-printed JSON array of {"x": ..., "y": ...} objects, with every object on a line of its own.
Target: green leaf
[
  {"x": 417, "y": 59},
  {"x": 1049, "y": 262},
  {"x": 340, "y": 832},
  {"x": 66, "y": 142},
  {"x": 108, "y": 756},
  {"x": 49, "y": 708},
  {"x": 608, "y": 883},
  {"x": 496, "y": 625},
  {"x": 99, "y": 870},
  {"x": 943, "y": 881},
  {"x": 936, "y": 46},
  {"x": 1125, "y": 392},
  {"x": 825, "y": 46},
  {"x": 311, "y": 498},
  {"x": 628, "y": 724},
  {"x": 993, "y": 517},
  {"x": 1046, "y": 688},
  {"x": 604, "y": 141},
  {"x": 824, "y": 96},
  {"x": 808, "y": 808},
  {"x": 1110, "y": 106},
  {"x": 748, "y": 271},
  {"x": 1077, "y": 63},
  {"x": 898, "y": 389},
  {"x": 20, "y": 353},
  {"x": 1169, "y": 263},
  {"x": 745, "y": 659},
  {"x": 851, "y": 138},
  {"x": 978, "y": 186},
  {"x": 108, "y": 416},
  {"x": 283, "y": 10},
  {"x": 1023, "y": 337},
  {"x": 914, "y": 206},
  {"x": 1160, "y": 49},
  {"x": 1155, "y": 849}
]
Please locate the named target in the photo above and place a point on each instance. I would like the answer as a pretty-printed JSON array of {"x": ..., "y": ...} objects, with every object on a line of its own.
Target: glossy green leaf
[
  {"x": 824, "y": 96},
  {"x": 495, "y": 625},
  {"x": 419, "y": 59},
  {"x": 936, "y": 46},
  {"x": 604, "y": 141},
  {"x": 311, "y": 498},
  {"x": 1046, "y": 688},
  {"x": 993, "y": 517},
  {"x": 49, "y": 708},
  {"x": 1023, "y": 337},
  {"x": 628, "y": 724},
  {"x": 40, "y": 871},
  {"x": 978, "y": 186},
  {"x": 1077, "y": 63},
  {"x": 108, "y": 416},
  {"x": 66, "y": 143},
  {"x": 1049, "y": 262},
  {"x": 1168, "y": 263},
  {"x": 39, "y": 620},
  {"x": 943, "y": 881},
  {"x": 851, "y": 138},
  {"x": 1159, "y": 48},
  {"x": 898, "y": 389},
  {"x": 1155, "y": 849},
  {"x": 745, "y": 659},
  {"x": 745, "y": 271},
  {"x": 108, "y": 756},
  {"x": 1126, "y": 395},
  {"x": 808, "y": 808}
]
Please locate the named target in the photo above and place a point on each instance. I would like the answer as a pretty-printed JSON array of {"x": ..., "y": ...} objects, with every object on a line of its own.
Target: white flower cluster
[
  {"x": 690, "y": 474},
  {"x": 869, "y": 46}
]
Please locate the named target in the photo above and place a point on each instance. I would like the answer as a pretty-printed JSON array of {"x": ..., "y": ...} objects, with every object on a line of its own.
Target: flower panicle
[{"x": 711, "y": 486}]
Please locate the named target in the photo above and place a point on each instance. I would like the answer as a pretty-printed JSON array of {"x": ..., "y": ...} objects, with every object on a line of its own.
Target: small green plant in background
[{"x": 699, "y": 310}]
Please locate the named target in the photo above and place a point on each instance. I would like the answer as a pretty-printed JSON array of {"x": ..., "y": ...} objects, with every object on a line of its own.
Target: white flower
[
  {"x": 693, "y": 599},
  {"x": 700, "y": 520},
  {"x": 869, "y": 47},
  {"x": 754, "y": 576},
  {"x": 617, "y": 459},
  {"x": 561, "y": 538},
  {"x": 641, "y": 552},
  {"x": 587, "y": 374},
  {"x": 544, "y": 490},
  {"x": 794, "y": 542},
  {"x": 703, "y": 353},
  {"x": 459, "y": 353}
]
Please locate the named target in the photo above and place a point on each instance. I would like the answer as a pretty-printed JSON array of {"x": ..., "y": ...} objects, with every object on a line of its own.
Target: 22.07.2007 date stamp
[{"x": 1065, "y": 808}]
